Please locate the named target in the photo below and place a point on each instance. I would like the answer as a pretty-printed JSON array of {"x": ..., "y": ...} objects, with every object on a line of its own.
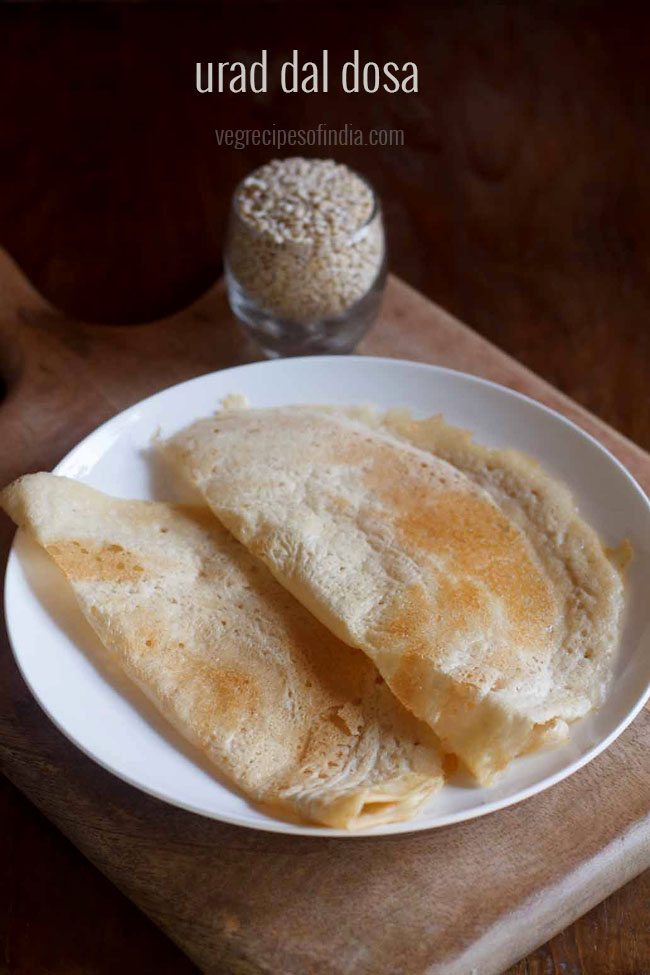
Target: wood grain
[
  {"x": 48, "y": 890},
  {"x": 241, "y": 901}
]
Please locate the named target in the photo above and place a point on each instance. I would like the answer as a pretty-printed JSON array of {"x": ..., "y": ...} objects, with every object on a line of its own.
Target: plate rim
[{"x": 279, "y": 826}]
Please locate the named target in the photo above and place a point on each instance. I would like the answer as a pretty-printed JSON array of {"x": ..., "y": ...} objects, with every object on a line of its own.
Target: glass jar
[{"x": 305, "y": 257}]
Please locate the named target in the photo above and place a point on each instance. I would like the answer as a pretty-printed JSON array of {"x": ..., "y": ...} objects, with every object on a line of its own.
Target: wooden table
[{"x": 521, "y": 202}]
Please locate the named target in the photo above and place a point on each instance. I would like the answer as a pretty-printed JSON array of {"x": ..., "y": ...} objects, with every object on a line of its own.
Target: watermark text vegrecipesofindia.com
[{"x": 321, "y": 136}]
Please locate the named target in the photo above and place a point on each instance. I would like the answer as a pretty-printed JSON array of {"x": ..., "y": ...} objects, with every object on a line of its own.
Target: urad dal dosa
[
  {"x": 294, "y": 718},
  {"x": 485, "y": 601}
]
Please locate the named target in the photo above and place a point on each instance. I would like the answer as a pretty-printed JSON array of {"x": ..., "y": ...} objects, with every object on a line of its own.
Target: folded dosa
[
  {"x": 297, "y": 720},
  {"x": 488, "y": 605}
]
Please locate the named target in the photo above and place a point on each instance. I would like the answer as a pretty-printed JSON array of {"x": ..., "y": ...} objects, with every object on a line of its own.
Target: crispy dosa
[
  {"x": 485, "y": 601},
  {"x": 297, "y": 720}
]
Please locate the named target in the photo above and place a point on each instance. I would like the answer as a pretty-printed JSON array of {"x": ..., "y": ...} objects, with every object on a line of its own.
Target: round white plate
[{"x": 61, "y": 661}]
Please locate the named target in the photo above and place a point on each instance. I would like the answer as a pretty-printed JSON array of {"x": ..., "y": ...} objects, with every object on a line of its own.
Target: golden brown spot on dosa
[
  {"x": 475, "y": 541},
  {"x": 471, "y": 542},
  {"x": 408, "y": 620},
  {"x": 426, "y": 622},
  {"x": 457, "y": 600},
  {"x": 475, "y": 563},
  {"x": 87, "y": 562},
  {"x": 231, "y": 694}
]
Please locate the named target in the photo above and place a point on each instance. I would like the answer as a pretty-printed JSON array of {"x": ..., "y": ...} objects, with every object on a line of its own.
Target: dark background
[{"x": 520, "y": 201}]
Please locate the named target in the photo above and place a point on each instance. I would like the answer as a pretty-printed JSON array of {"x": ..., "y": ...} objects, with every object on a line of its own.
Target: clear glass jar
[{"x": 306, "y": 288}]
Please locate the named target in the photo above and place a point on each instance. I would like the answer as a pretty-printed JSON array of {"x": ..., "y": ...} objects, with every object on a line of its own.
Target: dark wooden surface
[{"x": 521, "y": 202}]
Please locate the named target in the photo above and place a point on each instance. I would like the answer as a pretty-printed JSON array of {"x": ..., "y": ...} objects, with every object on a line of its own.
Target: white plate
[{"x": 61, "y": 661}]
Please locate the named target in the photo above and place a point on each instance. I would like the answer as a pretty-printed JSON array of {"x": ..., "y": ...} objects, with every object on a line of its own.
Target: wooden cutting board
[{"x": 468, "y": 898}]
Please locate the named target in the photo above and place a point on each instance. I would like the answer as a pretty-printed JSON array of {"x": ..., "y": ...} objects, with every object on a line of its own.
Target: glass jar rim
[{"x": 352, "y": 237}]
